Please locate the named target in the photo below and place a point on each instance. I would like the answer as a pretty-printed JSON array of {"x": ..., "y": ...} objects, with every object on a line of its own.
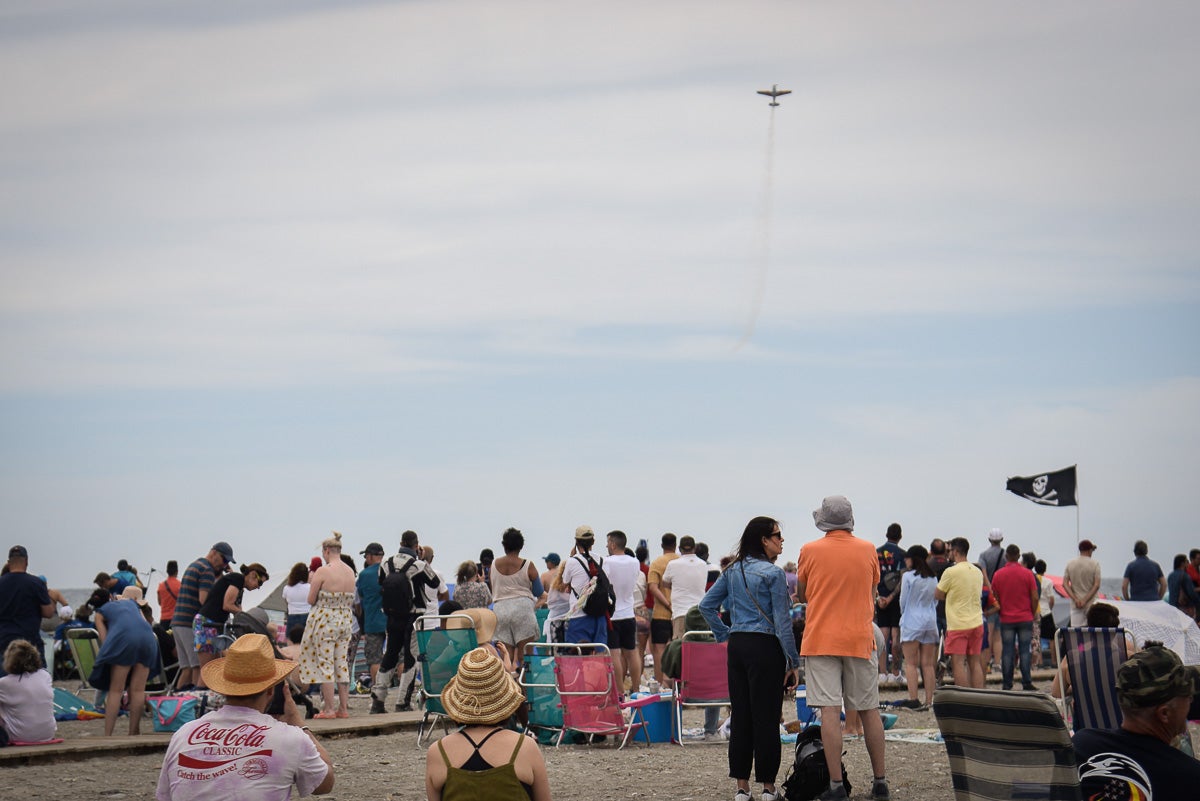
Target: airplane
[{"x": 774, "y": 92}]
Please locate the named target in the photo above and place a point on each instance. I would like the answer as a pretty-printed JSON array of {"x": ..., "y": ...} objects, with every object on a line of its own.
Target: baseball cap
[
  {"x": 18, "y": 552},
  {"x": 585, "y": 534},
  {"x": 995, "y": 535},
  {"x": 1086, "y": 545},
  {"x": 1154, "y": 676},
  {"x": 374, "y": 549},
  {"x": 552, "y": 558},
  {"x": 225, "y": 551}
]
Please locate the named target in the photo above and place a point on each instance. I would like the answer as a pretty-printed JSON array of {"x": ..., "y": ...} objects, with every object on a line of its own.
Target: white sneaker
[
  {"x": 741, "y": 795},
  {"x": 767, "y": 795}
]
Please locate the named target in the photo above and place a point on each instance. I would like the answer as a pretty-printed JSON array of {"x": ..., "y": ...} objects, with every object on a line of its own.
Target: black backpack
[
  {"x": 396, "y": 588},
  {"x": 808, "y": 776},
  {"x": 602, "y": 601}
]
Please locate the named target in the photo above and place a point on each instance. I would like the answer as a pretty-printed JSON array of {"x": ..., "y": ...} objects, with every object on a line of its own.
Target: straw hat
[
  {"x": 134, "y": 593},
  {"x": 481, "y": 692},
  {"x": 484, "y": 620},
  {"x": 248, "y": 667}
]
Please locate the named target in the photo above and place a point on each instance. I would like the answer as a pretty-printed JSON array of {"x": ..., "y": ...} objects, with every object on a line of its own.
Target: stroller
[{"x": 255, "y": 622}]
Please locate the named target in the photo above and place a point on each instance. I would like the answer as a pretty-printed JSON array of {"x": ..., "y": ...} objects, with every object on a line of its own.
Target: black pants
[
  {"x": 399, "y": 640},
  {"x": 756, "y": 667}
]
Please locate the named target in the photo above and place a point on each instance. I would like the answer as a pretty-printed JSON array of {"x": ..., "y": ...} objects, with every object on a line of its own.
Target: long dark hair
[
  {"x": 919, "y": 557},
  {"x": 751, "y": 543},
  {"x": 298, "y": 574}
]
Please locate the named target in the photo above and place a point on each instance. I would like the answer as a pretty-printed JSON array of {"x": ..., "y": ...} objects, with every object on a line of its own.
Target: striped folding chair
[
  {"x": 1006, "y": 745},
  {"x": 1092, "y": 656}
]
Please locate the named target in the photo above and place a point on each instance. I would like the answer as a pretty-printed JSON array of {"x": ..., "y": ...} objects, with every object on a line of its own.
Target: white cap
[
  {"x": 995, "y": 535},
  {"x": 66, "y": 613}
]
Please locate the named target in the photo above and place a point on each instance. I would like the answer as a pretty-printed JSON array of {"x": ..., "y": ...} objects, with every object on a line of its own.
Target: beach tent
[
  {"x": 1156, "y": 620},
  {"x": 274, "y": 601}
]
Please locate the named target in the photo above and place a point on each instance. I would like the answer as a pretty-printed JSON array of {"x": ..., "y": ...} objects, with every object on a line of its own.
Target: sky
[{"x": 269, "y": 270}]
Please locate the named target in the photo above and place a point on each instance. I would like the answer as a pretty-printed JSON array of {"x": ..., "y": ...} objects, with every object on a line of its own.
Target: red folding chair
[
  {"x": 588, "y": 689},
  {"x": 703, "y": 676}
]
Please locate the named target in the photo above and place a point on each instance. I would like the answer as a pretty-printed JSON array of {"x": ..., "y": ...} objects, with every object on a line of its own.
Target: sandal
[
  {"x": 342, "y": 714},
  {"x": 325, "y": 716}
]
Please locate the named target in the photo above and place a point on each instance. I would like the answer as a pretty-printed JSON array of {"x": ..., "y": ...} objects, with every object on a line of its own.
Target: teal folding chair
[
  {"x": 439, "y": 650},
  {"x": 537, "y": 679}
]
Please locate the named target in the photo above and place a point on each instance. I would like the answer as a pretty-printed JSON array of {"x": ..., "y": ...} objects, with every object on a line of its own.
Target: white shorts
[{"x": 838, "y": 680}]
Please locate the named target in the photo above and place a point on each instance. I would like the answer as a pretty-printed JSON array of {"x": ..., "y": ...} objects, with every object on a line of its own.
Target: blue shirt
[
  {"x": 1180, "y": 583},
  {"x": 371, "y": 597},
  {"x": 1143, "y": 574},
  {"x": 757, "y": 600}
]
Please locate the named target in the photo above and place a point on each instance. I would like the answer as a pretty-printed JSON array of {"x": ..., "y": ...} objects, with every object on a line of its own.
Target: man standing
[
  {"x": 961, "y": 587},
  {"x": 197, "y": 580},
  {"x": 661, "y": 628},
  {"x": 402, "y": 581},
  {"x": 582, "y": 627},
  {"x": 990, "y": 561},
  {"x": 1139, "y": 760},
  {"x": 623, "y": 571},
  {"x": 24, "y": 603},
  {"x": 374, "y": 621},
  {"x": 887, "y": 614},
  {"x": 1081, "y": 580},
  {"x": 168, "y": 593},
  {"x": 837, "y": 577},
  {"x": 938, "y": 562},
  {"x": 686, "y": 578},
  {"x": 1016, "y": 591},
  {"x": 1144, "y": 579},
  {"x": 237, "y": 751},
  {"x": 552, "y": 561}
]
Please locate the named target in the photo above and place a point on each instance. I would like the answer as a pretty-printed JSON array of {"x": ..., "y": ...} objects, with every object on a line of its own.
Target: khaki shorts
[{"x": 834, "y": 680}]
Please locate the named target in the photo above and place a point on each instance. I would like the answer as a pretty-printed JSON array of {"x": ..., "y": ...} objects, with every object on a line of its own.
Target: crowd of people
[{"x": 870, "y": 616}]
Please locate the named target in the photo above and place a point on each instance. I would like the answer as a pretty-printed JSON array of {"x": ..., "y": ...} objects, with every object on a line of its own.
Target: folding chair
[
  {"x": 85, "y": 646},
  {"x": 1006, "y": 745},
  {"x": 703, "y": 676},
  {"x": 588, "y": 688},
  {"x": 1092, "y": 656},
  {"x": 439, "y": 650},
  {"x": 537, "y": 679}
]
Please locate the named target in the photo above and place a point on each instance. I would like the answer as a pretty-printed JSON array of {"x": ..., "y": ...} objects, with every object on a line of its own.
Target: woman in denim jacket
[{"x": 762, "y": 657}]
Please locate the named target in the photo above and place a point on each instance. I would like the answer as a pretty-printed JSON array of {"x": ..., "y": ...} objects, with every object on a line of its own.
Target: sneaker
[
  {"x": 771, "y": 795},
  {"x": 834, "y": 794},
  {"x": 880, "y": 791},
  {"x": 741, "y": 795},
  {"x": 377, "y": 707}
]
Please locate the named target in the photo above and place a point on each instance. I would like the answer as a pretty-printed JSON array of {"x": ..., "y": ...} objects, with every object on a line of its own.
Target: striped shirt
[{"x": 198, "y": 578}]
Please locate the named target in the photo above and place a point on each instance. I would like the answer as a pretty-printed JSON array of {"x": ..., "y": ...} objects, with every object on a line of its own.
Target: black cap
[
  {"x": 18, "y": 552},
  {"x": 374, "y": 549}
]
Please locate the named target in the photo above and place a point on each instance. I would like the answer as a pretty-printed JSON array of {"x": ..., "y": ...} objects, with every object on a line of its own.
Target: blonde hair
[
  {"x": 556, "y": 583},
  {"x": 334, "y": 542}
]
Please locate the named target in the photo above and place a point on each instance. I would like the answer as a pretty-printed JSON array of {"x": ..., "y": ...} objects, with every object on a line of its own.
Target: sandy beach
[{"x": 392, "y": 767}]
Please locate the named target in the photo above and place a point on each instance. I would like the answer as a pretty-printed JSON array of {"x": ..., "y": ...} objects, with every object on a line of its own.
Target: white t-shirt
[
  {"x": 686, "y": 576},
  {"x": 576, "y": 575},
  {"x": 238, "y": 754},
  {"x": 27, "y": 706},
  {"x": 431, "y": 599},
  {"x": 297, "y": 599},
  {"x": 622, "y": 571}
]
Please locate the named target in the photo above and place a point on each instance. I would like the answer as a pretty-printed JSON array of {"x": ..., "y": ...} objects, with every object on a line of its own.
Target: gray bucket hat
[{"x": 835, "y": 513}]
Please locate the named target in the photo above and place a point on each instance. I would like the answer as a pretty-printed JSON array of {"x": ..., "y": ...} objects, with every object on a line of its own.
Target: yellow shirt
[
  {"x": 657, "y": 568},
  {"x": 963, "y": 585}
]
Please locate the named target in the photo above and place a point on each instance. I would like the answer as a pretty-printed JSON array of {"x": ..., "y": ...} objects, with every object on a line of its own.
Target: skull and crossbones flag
[{"x": 1047, "y": 489}]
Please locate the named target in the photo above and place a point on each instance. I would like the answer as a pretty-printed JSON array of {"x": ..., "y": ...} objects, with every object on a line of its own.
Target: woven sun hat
[
  {"x": 248, "y": 667},
  {"x": 132, "y": 593},
  {"x": 484, "y": 620},
  {"x": 481, "y": 692}
]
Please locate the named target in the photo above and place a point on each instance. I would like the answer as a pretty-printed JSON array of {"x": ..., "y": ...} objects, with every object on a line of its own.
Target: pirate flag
[{"x": 1047, "y": 489}]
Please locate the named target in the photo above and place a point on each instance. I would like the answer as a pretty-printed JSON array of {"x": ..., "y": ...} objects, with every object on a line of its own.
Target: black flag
[{"x": 1047, "y": 489}]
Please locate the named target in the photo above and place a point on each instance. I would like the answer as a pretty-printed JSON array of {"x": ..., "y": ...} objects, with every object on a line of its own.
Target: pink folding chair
[
  {"x": 703, "y": 676},
  {"x": 590, "y": 702}
]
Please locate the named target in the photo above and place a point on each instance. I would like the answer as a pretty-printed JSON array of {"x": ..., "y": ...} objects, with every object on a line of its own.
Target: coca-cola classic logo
[{"x": 247, "y": 735}]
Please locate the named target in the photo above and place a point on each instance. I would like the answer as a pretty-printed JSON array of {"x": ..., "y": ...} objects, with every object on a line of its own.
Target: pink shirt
[
  {"x": 1015, "y": 588},
  {"x": 238, "y": 754}
]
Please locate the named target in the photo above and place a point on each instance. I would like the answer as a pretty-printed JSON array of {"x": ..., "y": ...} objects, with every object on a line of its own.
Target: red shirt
[{"x": 1015, "y": 588}]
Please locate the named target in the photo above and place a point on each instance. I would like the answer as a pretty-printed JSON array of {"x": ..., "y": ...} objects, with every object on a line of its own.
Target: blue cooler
[
  {"x": 658, "y": 721},
  {"x": 803, "y": 713}
]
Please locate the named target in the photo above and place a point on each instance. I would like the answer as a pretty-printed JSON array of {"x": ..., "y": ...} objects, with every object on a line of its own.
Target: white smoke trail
[{"x": 765, "y": 220}]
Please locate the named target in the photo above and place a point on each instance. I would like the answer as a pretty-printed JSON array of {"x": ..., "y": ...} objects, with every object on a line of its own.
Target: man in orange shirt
[
  {"x": 837, "y": 577},
  {"x": 660, "y": 619},
  {"x": 168, "y": 594}
]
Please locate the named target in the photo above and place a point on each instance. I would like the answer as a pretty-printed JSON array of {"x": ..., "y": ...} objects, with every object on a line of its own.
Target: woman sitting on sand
[
  {"x": 323, "y": 651},
  {"x": 484, "y": 759},
  {"x": 26, "y": 697}
]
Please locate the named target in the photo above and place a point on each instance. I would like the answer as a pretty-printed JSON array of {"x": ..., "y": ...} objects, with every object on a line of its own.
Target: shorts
[
  {"x": 516, "y": 621},
  {"x": 586, "y": 628},
  {"x": 623, "y": 635},
  {"x": 205, "y": 633},
  {"x": 660, "y": 632},
  {"x": 373, "y": 648},
  {"x": 185, "y": 646},
  {"x": 643, "y": 626},
  {"x": 838, "y": 680},
  {"x": 889, "y": 616},
  {"x": 964, "y": 641},
  {"x": 923, "y": 636},
  {"x": 1048, "y": 628}
]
